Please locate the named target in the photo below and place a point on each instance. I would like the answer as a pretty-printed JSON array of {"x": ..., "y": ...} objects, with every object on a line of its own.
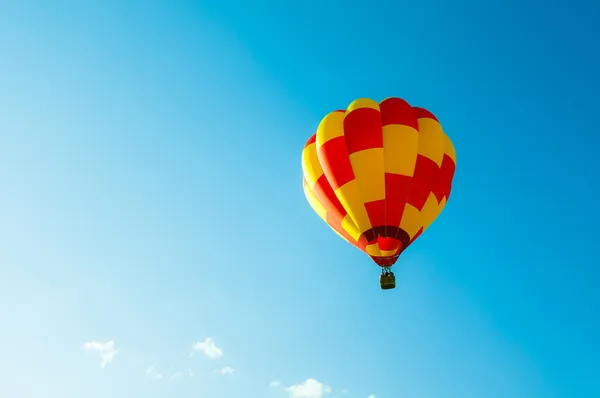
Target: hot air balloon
[{"x": 379, "y": 174}]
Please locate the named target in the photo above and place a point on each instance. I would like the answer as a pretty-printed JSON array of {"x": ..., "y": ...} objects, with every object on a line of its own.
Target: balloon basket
[{"x": 387, "y": 281}]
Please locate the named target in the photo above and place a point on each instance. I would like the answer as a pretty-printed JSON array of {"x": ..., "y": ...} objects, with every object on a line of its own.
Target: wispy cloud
[
  {"x": 106, "y": 350},
  {"x": 275, "y": 384},
  {"x": 345, "y": 391},
  {"x": 208, "y": 348},
  {"x": 227, "y": 370},
  {"x": 155, "y": 374},
  {"x": 372, "y": 396},
  {"x": 311, "y": 388},
  {"x": 190, "y": 373},
  {"x": 152, "y": 372}
]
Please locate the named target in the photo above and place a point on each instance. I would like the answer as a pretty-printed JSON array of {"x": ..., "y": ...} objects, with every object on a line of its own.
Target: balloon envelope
[{"x": 379, "y": 174}]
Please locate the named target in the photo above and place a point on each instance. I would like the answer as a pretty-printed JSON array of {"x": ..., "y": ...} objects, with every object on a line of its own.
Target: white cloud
[
  {"x": 372, "y": 396},
  {"x": 227, "y": 370},
  {"x": 208, "y": 348},
  {"x": 107, "y": 351},
  {"x": 275, "y": 384},
  {"x": 311, "y": 388},
  {"x": 152, "y": 372}
]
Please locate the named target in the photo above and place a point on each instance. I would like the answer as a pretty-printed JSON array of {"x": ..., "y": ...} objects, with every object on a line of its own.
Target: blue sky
[{"x": 152, "y": 197}]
